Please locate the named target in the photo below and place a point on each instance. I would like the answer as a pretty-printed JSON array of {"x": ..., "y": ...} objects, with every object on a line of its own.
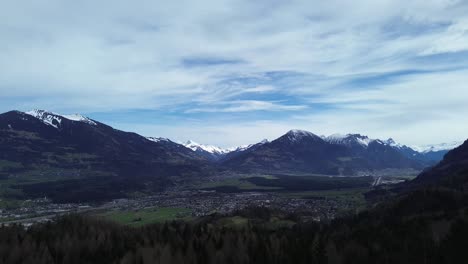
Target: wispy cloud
[
  {"x": 246, "y": 106},
  {"x": 302, "y": 63},
  {"x": 208, "y": 61}
]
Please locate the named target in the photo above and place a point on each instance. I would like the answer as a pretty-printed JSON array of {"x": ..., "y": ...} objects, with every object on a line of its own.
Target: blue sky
[{"x": 234, "y": 72}]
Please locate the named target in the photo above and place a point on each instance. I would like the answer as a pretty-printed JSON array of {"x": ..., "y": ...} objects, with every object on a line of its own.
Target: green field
[
  {"x": 9, "y": 204},
  {"x": 354, "y": 196},
  {"x": 286, "y": 183},
  {"x": 147, "y": 216},
  {"x": 238, "y": 182}
]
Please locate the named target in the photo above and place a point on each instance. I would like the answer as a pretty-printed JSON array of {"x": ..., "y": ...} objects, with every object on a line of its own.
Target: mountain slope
[
  {"x": 305, "y": 152},
  {"x": 428, "y": 155},
  {"x": 41, "y": 146},
  {"x": 242, "y": 150},
  {"x": 452, "y": 171},
  {"x": 435, "y": 153}
]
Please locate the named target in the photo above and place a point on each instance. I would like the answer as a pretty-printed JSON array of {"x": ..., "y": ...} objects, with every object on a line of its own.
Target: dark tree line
[{"x": 429, "y": 226}]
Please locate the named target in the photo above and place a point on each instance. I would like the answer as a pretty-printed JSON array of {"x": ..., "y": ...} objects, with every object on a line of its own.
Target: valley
[
  {"x": 52, "y": 164},
  {"x": 314, "y": 197},
  {"x": 234, "y": 132}
]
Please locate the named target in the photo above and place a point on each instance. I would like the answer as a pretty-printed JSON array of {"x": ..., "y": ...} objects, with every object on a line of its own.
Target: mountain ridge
[
  {"x": 78, "y": 157},
  {"x": 303, "y": 151},
  {"x": 63, "y": 152}
]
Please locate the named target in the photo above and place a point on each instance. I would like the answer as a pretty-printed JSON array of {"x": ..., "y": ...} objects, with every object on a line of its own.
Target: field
[
  {"x": 239, "y": 183},
  {"x": 287, "y": 183},
  {"x": 351, "y": 196},
  {"x": 147, "y": 216}
]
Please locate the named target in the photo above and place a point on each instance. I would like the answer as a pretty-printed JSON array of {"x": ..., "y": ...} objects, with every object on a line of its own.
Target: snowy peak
[
  {"x": 55, "y": 120},
  {"x": 79, "y": 118},
  {"x": 392, "y": 143},
  {"x": 217, "y": 153},
  {"x": 246, "y": 147},
  {"x": 430, "y": 153},
  {"x": 297, "y": 135},
  {"x": 350, "y": 139},
  {"x": 207, "y": 148},
  {"x": 47, "y": 118},
  {"x": 438, "y": 147}
]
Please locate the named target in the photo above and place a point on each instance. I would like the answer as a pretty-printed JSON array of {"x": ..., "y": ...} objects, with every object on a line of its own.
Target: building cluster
[{"x": 199, "y": 202}]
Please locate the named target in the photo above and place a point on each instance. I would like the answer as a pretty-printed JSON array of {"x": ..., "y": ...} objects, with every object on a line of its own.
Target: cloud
[
  {"x": 208, "y": 61},
  {"x": 246, "y": 106},
  {"x": 336, "y": 63}
]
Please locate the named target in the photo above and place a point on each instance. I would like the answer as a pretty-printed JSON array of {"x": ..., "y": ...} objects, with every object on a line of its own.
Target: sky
[{"x": 230, "y": 73}]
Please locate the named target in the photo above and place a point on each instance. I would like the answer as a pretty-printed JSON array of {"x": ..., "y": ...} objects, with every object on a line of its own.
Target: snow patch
[
  {"x": 350, "y": 139},
  {"x": 79, "y": 118},
  {"x": 47, "y": 118},
  {"x": 296, "y": 135},
  {"x": 55, "y": 120},
  {"x": 159, "y": 139}
]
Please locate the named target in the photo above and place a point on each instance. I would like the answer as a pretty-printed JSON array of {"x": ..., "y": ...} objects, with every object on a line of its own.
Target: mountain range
[
  {"x": 427, "y": 155},
  {"x": 217, "y": 154},
  {"x": 46, "y": 153},
  {"x": 370, "y": 153},
  {"x": 304, "y": 152},
  {"x": 68, "y": 157}
]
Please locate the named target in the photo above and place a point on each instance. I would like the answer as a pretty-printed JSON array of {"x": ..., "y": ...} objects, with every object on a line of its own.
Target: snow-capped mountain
[
  {"x": 246, "y": 147},
  {"x": 77, "y": 144},
  {"x": 296, "y": 135},
  {"x": 360, "y": 140},
  {"x": 430, "y": 153},
  {"x": 110, "y": 162},
  {"x": 216, "y": 153},
  {"x": 356, "y": 143},
  {"x": 393, "y": 143},
  {"x": 435, "y": 153},
  {"x": 305, "y": 152},
  {"x": 55, "y": 120},
  {"x": 208, "y": 151},
  {"x": 208, "y": 148},
  {"x": 438, "y": 147},
  {"x": 350, "y": 140}
]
